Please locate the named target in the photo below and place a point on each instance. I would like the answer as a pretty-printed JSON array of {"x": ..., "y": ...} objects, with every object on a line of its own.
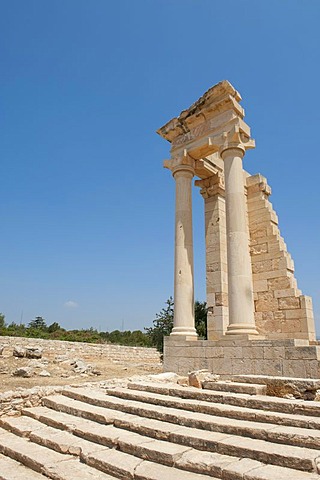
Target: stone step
[
  {"x": 236, "y": 387},
  {"x": 193, "y": 434},
  {"x": 134, "y": 449},
  {"x": 225, "y": 410},
  {"x": 302, "y": 437},
  {"x": 142, "y": 448},
  {"x": 260, "y": 402},
  {"x": 291, "y": 457},
  {"x": 171, "y": 454},
  {"x": 311, "y": 383},
  {"x": 12, "y": 470},
  {"x": 79, "y": 408},
  {"x": 80, "y": 427},
  {"x": 128, "y": 467},
  {"x": 37, "y": 432},
  {"x": 52, "y": 464},
  {"x": 145, "y": 447}
]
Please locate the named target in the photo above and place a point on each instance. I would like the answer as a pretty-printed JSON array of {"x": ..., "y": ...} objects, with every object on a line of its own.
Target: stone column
[
  {"x": 240, "y": 287},
  {"x": 183, "y": 266}
]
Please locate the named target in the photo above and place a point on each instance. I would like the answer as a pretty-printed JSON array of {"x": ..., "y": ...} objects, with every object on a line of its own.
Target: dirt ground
[{"x": 61, "y": 369}]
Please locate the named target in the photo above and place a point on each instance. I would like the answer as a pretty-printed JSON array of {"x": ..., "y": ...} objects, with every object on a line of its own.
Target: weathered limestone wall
[
  {"x": 280, "y": 309},
  {"x": 289, "y": 358},
  {"x": 216, "y": 255},
  {"x": 115, "y": 353}
]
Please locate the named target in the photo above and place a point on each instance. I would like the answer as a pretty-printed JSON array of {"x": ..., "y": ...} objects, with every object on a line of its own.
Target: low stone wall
[
  {"x": 289, "y": 358},
  {"x": 12, "y": 402},
  {"x": 114, "y": 353}
]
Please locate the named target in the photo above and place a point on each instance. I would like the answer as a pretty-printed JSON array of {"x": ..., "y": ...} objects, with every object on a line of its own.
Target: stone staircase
[{"x": 158, "y": 431}]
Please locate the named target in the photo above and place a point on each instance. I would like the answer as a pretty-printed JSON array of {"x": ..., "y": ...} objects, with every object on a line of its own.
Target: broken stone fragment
[
  {"x": 25, "y": 372},
  {"x": 33, "y": 352},
  {"x": 19, "y": 352},
  {"x": 183, "y": 381},
  {"x": 197, "y": 377}
]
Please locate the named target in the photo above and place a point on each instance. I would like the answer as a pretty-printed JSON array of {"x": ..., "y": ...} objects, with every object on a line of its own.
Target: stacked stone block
[
  {"x": 280, "y": 309},
  {"x": 212, "y": 190}
]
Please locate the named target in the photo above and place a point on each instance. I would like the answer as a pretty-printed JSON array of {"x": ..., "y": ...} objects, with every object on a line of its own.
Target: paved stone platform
[{"x": 162, "y": 431}]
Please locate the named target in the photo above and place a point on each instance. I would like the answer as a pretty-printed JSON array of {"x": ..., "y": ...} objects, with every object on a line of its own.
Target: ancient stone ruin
[
  {"x": 261, "y": 332},
  {"x": 258, "y": 320}
]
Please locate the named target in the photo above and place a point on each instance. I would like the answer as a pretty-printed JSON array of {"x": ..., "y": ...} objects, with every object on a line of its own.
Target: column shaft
[
  {"x": 183, "y": 268},
  {"x": 240, "y": 288}
]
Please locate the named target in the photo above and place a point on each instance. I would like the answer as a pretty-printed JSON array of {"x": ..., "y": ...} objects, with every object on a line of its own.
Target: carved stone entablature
[
  {"x": 211, "y": 186},
  {"x": 208, "y": 124}
]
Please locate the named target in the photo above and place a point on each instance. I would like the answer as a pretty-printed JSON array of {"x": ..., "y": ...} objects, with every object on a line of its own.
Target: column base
[
  {"x": 189, "y": 332},
  {"x": 241, "y": 329}
]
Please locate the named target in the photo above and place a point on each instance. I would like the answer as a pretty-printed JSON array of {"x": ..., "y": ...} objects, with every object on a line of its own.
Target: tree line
[{"x": 150, "y": 337}]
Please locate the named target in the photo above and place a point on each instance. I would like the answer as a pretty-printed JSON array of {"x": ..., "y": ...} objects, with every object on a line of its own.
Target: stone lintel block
[
  {"x": 294, "y": 368},
  {"x": 214, "y": 352},
  {"x": 220, "y": 311},
  {"x": 213, "y": 334},
  {"x": 268, "y": 256},
  {"x": 262, "y": 266},
  {"x": 195, "y": 352},
  {"x": 217, "y": 323},
  {"x": 254, "y": 195},
  {"x": 241, "y": 365},
  {"x": 267, "y": 217},
  {"x": 215, "y": 239},
  {"x": 213, "y": 267},
  {"x": 270, "y": 275},
  {"x": 267, "y": 367},
  {"x": 258, "y": 249},
  {"x": 301, "y": 343},
  {"x": 252, "y": 352},
  {"x": 273, "y": 353},
  {"x": 260, "y": 286},
  {"x": 258, "y": 233},
  {"x": 274, "y": 342},
  {"x": 258, "y": 204},
  {"x": 178, "y": 341},
  {"x": 179, "y": 352},
  {"x": 259, "y": 215},
  {"x": 280, "y": 282},
  {"x": 266, "y": 304},
  {"x": 232, "y": 352},
  {"x": 306, "y": 302},
  {"x": 256, "y": 179},
  {"x": 214, "y": 204},
  {"x": 293, "y": 314},
  {"x": 221, "y": 366},
  {"x": 288, "y": 292},
  {"x": 289, "y": 303},
  {"x": 292, "y": 326},
  {"x": 303, "y": 353},
  {"x": 221, "y": 299},
  {"x": 217, "y": 278},
  {"x": 312, "y": 369}
]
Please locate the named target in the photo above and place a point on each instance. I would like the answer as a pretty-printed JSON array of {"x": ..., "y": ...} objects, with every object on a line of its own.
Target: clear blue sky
[{"x": 87, "y": 210}]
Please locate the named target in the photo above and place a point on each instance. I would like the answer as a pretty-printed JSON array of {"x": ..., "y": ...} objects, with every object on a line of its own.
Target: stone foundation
[{"x": 289, "y": 358}]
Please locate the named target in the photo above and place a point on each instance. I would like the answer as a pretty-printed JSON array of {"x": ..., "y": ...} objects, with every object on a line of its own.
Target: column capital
[
  {"x": 211, "y": 186},
  {"x": 236, "y": 139},
  {"x": 181, "y": 163}
]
